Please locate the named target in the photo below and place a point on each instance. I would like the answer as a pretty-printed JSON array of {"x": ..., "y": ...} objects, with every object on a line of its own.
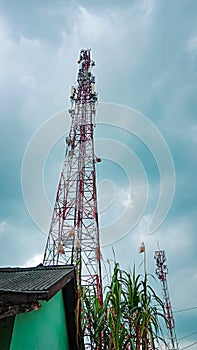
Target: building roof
[
  {"x": 30, "y": 284},
  {"x": 21, "y": 290}
]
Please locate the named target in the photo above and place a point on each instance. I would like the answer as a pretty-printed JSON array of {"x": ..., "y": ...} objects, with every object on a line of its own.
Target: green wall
[
  {"x": 6, "y": 327},
  {"x": 44, "y": 329}
]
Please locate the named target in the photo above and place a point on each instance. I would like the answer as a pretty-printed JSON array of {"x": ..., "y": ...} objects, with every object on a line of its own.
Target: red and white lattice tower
[
  {"x": 74, "y": 233},
  {"x": 162, "y": 272}
]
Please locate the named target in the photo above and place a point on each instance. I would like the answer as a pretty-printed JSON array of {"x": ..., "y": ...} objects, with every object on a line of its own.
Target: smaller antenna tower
[{"x": 162, "y": 272}]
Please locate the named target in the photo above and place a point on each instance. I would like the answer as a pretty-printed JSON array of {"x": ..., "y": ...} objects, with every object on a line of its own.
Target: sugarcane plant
[{"x": 127, "y": 319}]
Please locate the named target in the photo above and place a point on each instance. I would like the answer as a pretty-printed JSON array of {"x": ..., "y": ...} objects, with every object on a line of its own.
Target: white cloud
[
  {"x": 148, "y": 6},
  {"x": 34, "y": 260},
  {"x": 21, "y": 241},
  {"x": 91, "y": 25},
  {"x": 192, "y": 45},
  {"x": 3, "y": 226},
  {"x": 193, "y": 132},
  {"x": 30, "y": 69},
  {"x": 106, "y": 195},
  {"x": 123, "y": 198}
]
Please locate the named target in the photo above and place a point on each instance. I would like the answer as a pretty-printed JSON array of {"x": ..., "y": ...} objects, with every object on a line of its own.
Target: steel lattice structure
[
  {"x": 162, "y": 272},
  {"x": 74, "y": 233}
]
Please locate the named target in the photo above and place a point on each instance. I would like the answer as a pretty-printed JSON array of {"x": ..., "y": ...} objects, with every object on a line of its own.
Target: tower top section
[{"x": 83, "y": 92}]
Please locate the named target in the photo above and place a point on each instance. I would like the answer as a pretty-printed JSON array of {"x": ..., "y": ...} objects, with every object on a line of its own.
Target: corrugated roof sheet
[{"x": 34, "y": 279}]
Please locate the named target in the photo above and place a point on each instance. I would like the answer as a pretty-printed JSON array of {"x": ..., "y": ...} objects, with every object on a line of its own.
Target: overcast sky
[{"x": 146, "y": 55}]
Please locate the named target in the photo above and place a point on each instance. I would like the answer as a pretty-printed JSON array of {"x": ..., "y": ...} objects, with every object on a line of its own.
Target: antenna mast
[
  {"x": 162, "y": 272},
  {"x": 74, "y": 233}
]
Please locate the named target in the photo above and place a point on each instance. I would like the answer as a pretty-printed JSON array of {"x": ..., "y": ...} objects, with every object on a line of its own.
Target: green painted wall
[
  {"x": 44, "y": 329},
  {"x": 6, "y": 327}
]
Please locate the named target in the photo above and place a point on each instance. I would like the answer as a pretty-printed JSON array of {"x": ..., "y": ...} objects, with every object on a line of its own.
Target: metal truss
[
  {"x": 74, "y": 233},
  {"x": 162, "y": 272}
]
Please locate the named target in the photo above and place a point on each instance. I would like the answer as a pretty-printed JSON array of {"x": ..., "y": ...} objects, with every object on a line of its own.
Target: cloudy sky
[{"x": 146, "y": 55}]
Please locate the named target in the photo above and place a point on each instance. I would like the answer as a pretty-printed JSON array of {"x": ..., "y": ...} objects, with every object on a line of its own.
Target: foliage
[{"x": 127, "y": 319}]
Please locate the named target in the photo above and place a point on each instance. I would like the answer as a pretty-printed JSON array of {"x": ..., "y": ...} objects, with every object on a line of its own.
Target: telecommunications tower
[
  {"x": 74, "y": 232},
  {"x": 162, "y": 272}
]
